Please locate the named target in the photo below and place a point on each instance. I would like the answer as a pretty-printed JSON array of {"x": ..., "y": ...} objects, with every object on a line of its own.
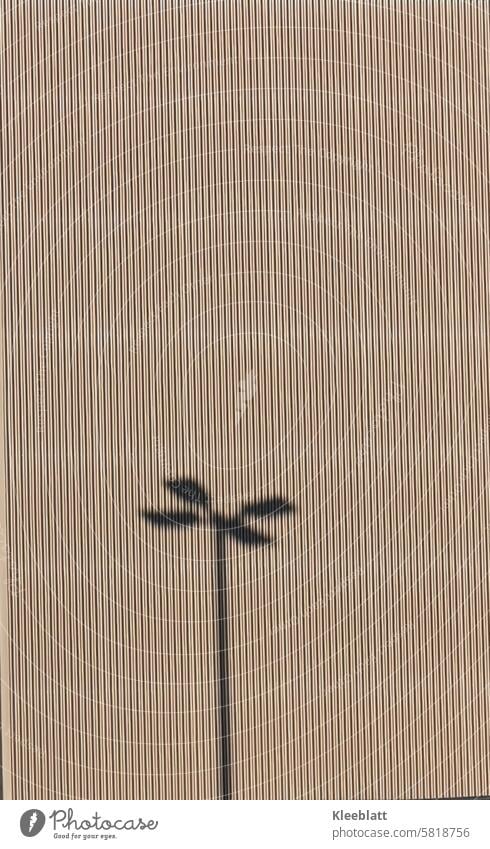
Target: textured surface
[{"x": 247, "y": 243}]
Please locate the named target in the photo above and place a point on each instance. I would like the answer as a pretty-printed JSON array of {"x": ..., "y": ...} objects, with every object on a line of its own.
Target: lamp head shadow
[{"x": 239, "y": 526}]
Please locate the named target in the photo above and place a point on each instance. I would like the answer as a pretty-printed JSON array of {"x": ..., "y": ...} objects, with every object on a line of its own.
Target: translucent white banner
[{"x": 249, "y": 824}]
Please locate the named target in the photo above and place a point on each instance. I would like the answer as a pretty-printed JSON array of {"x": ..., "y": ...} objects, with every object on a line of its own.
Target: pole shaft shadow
[{"x": 223, "y": 667}]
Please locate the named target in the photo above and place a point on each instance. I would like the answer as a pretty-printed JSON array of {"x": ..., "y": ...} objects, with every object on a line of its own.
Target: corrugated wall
[{"x": 246, "y": 243}]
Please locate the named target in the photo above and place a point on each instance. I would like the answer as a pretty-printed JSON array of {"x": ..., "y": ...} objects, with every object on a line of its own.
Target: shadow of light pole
[{"x": 198, "y": 510}]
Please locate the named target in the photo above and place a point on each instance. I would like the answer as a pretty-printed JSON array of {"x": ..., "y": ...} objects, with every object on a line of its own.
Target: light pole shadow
[{"x": 198, "y": 511}]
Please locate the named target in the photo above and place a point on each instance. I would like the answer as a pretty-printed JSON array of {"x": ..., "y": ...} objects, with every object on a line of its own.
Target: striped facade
[{"x": 246, "y": 244}]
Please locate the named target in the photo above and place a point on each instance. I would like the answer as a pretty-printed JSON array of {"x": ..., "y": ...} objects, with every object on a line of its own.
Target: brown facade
[{"x": 246, "y": 243}]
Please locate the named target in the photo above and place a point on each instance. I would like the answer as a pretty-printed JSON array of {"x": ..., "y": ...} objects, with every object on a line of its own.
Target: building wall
[{"x": 246, "y": 243}]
